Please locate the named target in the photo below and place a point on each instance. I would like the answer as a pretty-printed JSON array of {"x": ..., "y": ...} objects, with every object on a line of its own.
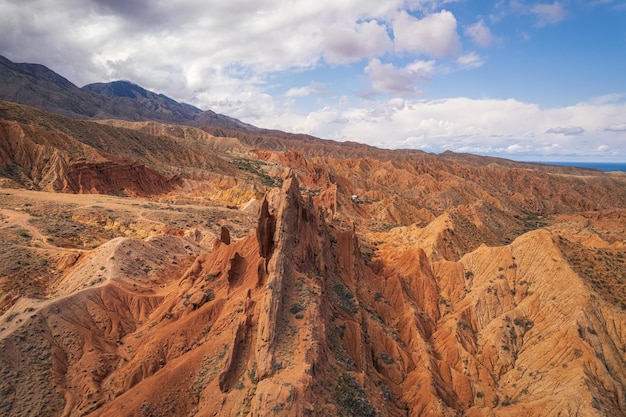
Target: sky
[{"x": 521, "y": 79}]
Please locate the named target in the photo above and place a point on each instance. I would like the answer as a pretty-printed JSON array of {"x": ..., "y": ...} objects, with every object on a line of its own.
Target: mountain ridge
[
  {"x": 40, "y": 87},
  {"x": 126, "y": 100}
]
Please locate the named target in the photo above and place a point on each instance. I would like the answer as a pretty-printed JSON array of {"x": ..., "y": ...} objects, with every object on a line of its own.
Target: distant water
[{"x": 602, "y": 166}]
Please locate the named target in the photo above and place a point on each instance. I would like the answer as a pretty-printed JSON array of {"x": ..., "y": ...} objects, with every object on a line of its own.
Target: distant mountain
[
  {"x": 146, "y": 103},
  {"x": 210, "y": 118},
  {"x": 38, "y": 86}
]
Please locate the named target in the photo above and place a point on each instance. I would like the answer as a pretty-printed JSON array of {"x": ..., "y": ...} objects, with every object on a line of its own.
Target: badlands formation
[{"x": 149, "y": 269}]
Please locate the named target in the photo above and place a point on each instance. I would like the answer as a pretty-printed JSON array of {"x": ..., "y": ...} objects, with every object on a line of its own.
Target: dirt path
[{"x": 12, "y": 218}]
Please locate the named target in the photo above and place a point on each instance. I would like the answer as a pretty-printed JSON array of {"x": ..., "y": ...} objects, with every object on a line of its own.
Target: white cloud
[
  {"x": 507, "y": 128},
  {"x": 548, "y": 13},
  {"x": 434, "y": 36},
  {"x": 423, "y": 69},
  {"x": 385, "y": 78},
  {"x": 616, "y": 127},
  {"x": 544, "y": 13},
  {"x": 344, "y": 44},
  {"x": 550, "y": 149},
  {"x": 480, "y": 34},
  {"x": 312, "y": 89},
  {"x": 517, "y": 148},
  {"x": 264, "y": 35},
  {"x": 471, "y": 60},
  {"x": 428, "y": 6},
  {"x": 213, "y": 52},
  {"x": 567, "y": 131}
]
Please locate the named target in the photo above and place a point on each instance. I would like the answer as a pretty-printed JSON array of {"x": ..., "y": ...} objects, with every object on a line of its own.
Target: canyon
[{"x": 158, "y": 269}]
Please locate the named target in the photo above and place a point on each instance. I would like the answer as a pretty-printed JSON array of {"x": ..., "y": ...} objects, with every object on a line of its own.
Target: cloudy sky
[{"x": 522, "y": 79}]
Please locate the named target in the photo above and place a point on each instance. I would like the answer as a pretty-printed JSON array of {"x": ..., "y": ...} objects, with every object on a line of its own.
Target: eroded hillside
[{"x": 269, "y": 283}]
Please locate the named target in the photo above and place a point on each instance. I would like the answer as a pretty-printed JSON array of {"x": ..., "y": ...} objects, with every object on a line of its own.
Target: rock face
[{"x": 42, "y": 160}]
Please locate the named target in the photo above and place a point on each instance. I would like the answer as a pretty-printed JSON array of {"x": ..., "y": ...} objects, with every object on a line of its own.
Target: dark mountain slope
[
  {"x": 149, "y": 105},
  {"x": 37, "y": 86}
]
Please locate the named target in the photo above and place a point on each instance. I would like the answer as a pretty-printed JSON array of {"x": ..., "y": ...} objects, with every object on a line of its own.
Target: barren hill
[{"x": 151, "y": 269}]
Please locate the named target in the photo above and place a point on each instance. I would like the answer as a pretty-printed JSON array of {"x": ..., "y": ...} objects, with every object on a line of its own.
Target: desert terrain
[{"x": 155, "y": 269}]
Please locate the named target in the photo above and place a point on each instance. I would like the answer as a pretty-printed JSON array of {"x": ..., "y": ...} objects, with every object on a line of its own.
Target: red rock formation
[
  {"x": 55, "y": 162},
  {"x": 442, "y": 288}
]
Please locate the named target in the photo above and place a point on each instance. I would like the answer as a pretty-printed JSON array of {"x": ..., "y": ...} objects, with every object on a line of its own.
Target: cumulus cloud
[
  {"x": 312, "y": 89},
  {"x": 508, "y": 128},
  {"x": 517, "y": 148},
  {"x": 386, "y": 78},
  {"x": 567, "y": 131},
  {"x": 435, "y": 35},
  {"x": 264, "y": 35},
  {"x": 480, "y": 34},
  {"x": 348, "y": 44},
  {"x": 548, "y": 13},
  {"x": 194, "y": 51}
]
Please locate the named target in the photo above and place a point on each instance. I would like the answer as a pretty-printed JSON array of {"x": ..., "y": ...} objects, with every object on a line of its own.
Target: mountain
[
  {"x": 37, "y": 86},
  {"x": 155, "y": 269},
  {"x": 154, "y": 106}
]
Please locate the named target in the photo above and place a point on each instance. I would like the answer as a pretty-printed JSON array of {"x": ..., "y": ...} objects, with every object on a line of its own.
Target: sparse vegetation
[
  {"x": 387, "y": 358},
  {"x": 351, "y": 398},
  {"x": 344, "y": 298},
  {"x": 463, "y": 324},
  {"x": 10, "y": 317},
  {"x": 602, "y": 268},
  {"x": 255, "y": 167},
  {"x": 525, "y": 323},
  {"x": 252, "y": 373},
  {"x": 507, "y": 401},
  {"x": 296, "y": 308},
  {"x": 335, "y": 344}
]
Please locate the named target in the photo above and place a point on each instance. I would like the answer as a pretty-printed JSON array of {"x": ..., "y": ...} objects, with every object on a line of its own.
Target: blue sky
[{"x": 521, "y": 79}]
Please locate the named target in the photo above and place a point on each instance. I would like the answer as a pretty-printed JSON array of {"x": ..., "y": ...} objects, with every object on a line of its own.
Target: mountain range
[
  {"x": 161, "y": 260},
  {"x": 38, "y": 86}
]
